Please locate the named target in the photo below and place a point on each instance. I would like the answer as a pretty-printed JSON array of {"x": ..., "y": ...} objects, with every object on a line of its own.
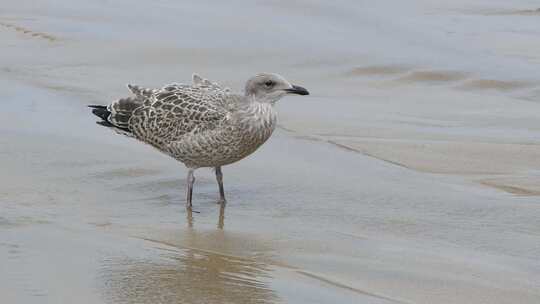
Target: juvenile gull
[{"x": 202, "y": 124}]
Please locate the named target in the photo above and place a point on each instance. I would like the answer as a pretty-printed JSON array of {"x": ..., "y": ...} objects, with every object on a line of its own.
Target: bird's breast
[{"x": 257, "y": 121}]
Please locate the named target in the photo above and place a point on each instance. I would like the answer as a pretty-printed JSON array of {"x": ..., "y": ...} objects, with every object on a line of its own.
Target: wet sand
[{"x": 410, "y": 175}]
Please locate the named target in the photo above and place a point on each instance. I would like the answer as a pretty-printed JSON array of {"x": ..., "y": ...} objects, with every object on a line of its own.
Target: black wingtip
[
  {"x": 97, "y": 107},
  {"x": 105, "y": 123},
  {"x": 100, "y": 111}
]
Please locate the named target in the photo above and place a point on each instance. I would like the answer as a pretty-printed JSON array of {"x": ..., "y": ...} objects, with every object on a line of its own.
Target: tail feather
[
  {"x": 118, "y": 113},
  {"x": 122, "y": 109},
  {"x": 100, "y": 111}
]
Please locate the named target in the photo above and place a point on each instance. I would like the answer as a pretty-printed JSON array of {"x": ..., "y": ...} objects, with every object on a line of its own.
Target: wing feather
[{"x": 177, "y": 109}]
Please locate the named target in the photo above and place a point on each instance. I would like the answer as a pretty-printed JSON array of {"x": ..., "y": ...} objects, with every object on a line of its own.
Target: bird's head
[{"x": 267, "y": 87}]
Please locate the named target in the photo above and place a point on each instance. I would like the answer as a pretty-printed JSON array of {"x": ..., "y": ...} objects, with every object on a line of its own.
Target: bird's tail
[
  {"x": 100, "y": 111},
  {"x": 118, "y": 113}
]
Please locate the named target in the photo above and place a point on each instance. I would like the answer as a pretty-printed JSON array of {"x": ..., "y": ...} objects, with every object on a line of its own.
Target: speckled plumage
[{"x": 202, "y": 124}]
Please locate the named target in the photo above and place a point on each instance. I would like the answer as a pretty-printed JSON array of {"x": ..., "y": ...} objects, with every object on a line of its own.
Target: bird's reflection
[
  {"x": 221, "y": 221},
  {"x": 189, "y": 217},
  {"x": 196, "y": 266},
  {"x": 221, "y": 218},
  {"x": 192, "y": 276}
]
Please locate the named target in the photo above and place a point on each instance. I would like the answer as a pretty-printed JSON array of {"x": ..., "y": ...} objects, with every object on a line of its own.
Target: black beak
[{"x": 297, "y": 90}]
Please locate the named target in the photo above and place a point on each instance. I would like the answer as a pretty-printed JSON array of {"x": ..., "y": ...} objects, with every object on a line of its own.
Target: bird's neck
[{"x": 258, "y": 116}]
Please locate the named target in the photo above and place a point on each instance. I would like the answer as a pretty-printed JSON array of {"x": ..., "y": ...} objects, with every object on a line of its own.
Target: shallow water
[{"x": 410, "y": 175}]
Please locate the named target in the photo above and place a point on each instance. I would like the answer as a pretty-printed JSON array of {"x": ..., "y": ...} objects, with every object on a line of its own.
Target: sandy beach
[{"x": 411, "y": 174}]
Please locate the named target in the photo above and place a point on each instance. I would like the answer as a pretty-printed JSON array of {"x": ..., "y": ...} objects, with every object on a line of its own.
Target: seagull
[{"x": 201, "y": 124}]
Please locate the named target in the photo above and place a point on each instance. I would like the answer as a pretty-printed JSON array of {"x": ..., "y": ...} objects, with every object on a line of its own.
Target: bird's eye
[{"x": 269, "y": 83}]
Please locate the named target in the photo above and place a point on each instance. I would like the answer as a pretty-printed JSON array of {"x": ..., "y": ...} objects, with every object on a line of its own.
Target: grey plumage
[{"x": 202, "y": 124}]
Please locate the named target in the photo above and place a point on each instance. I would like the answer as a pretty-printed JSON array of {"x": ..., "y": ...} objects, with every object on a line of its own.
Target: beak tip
[{"x": 298, "y": 90}]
